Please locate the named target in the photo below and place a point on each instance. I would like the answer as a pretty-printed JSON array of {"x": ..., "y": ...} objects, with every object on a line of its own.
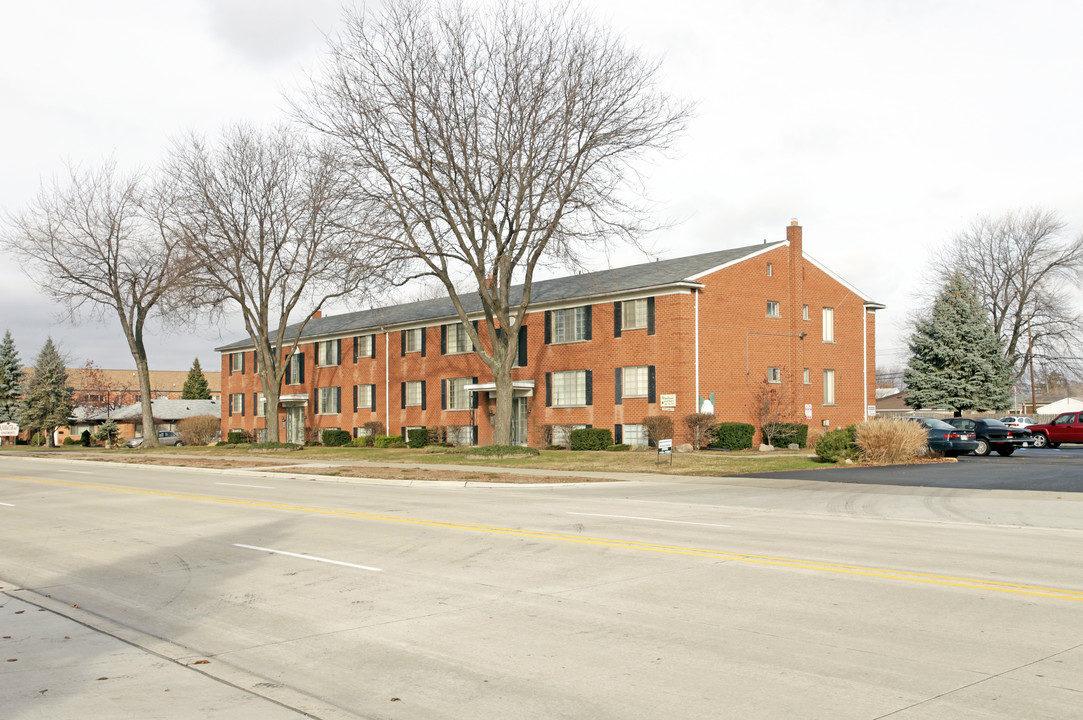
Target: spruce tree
[
  {"x": 48, "y": 402},
  {"x": 11, "y": 379},
  {"x": 195, "y": 386},
  {"x": 957, "y": 361}
]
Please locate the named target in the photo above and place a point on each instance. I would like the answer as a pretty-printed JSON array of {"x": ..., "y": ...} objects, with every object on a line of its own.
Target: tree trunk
[{"x": 150, "y": 432}]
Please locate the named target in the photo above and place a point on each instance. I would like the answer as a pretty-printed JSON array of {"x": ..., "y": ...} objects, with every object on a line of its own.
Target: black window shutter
[
  {"x": 587, "y": 323},
  {"x": 355, "y": 398},
  {"x": 423, "y": 334},
  {"x": 548, "y": 327},
  {"x": 255, "y": 362},
  {"x": 316, "y": 400},
  {"x": 301, "y": 363},
  {"x": 548, "y": 389},
  {"x": 338, "y": 351},
  {"x": 255, "y": 402},
  {"x": 230, "y": 365},
  {"x": 372, "y": 390},
  {"x": 474, "y": 433},
  {"x": 356, "y": 342},
  {"x": 650, "y": 383},
  {"x": 618, "y": 434},
  {"x": 443, "y": 339},
  {"x": 650, "y": 316},
  {"x": 242, "y": 362},
  {"x": 590, "y": 387},
  {"x": 522, "y": 347},
  {"x": 616, "y": 319},
  {"x": 402, "y": 430},
  {"x": 372, "y": 346},
  {"x": 618, "y": 388},
  {"x": 404, "y": 396},
  {"x": 443, "y": 394},
  {"x": 475, "y": 332},
  {"x": 422, "y": 390},
  {"x": 474, "y": 402},
  {"x": 404, "y": 343},
  {"x": 231, "y": 406}
]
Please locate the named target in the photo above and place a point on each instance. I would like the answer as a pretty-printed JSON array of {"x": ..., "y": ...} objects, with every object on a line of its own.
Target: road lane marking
[
  {"x": 636, "y": 517},
  {"x": 263, "y": 487},
  {"x": 7, "y": 504},
  {"x": 76, "y": 472},
  {"x": 307, "y": 557},
  {"x": 859, "y": 570}
]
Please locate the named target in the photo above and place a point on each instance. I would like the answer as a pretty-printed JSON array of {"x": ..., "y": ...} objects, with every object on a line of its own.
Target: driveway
[{"x": 1051, "y": 470}]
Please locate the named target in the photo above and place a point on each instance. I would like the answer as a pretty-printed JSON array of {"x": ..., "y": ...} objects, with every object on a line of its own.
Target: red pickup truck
[{"x": 1066, "y": 427}]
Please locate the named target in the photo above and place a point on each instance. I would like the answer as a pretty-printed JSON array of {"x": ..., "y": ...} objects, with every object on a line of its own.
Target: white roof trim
[{"x": 837, "y": 278}]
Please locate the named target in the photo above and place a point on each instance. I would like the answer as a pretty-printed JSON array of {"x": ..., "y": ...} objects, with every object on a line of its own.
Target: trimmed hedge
[
  {"x": 787, "y": 433},
  {"x": 836, "y": 445},
  {"x": 238, "y": 437},
  {"x": 731, "y": 435},
  {"x": 591, "y": 439},
  {"x": 335, "y": 438},
  {"x": 619, "y": 448},
  {"x": 417, "y": 439},
  {"x": 387, "y": 441},
  {"x": 501, "y": 450}
]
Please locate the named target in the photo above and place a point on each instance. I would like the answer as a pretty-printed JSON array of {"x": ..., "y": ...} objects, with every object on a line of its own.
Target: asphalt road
[{"x": 745, "y": 598}]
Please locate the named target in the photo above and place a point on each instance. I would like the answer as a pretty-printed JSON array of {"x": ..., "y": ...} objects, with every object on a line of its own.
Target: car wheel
[
  {"x": 982, "y": 449},
  {"x": 1040, "y": 440},
  {"x": 1006, "y": 451},
  {"x": 179, "y": 444}
]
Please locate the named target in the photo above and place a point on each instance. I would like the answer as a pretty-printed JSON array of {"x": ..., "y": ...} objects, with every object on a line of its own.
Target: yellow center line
[{"x": 868, "y": 571}]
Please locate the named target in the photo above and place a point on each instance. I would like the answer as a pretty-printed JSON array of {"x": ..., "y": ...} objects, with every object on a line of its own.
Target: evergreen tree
[
  {"x": 48, "y": 401},
  {"x": 957, "y": 361},
  {"x": 11, "y": 379},
  {"x": 195, "y": 386}
]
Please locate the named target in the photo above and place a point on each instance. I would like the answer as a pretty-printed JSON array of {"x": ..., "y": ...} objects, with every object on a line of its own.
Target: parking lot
[{"x": 1051, "y": 470}]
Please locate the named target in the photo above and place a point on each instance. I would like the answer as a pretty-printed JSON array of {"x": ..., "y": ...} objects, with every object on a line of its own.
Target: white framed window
[
  {"x": 633, "y": 314},
  {"x": 829, "y": 387},
  {"x": 570, "y": 388},
  {"x": 328, "y": 401},
  {"x": 236, "y": 362},
  {"x": 634, "y": 381},
  {"x": 808, "y": 377},
  {"x": 562, "y": 434},
  {"x": 236, "y": 403},
  {"x": 633, "y": 434},
  {"x": 769, "y": 270},
  {"x": 261, "y": 435},
  {"x": 457, "y": 396},
  {"x": 774, "y": 375},
  {"x": 413, "y": 392},
  {"x": 829, "y": 324},
  {"x": 261, "y": 405},
  {"x": 362, "y": 432},
  {"x": 364, "y": 396},
  {"x": 460, "y": 434},
  {"x": 773, "y": 309},
  {"x": 458, "y": 341},
  {"x": 413, "y": 340},
  {"x": 570, "y": 325},
  {"x": 328, "y": 353},
  {"x": 363, "y": 346},
  {"x": 804, "y": 312}
]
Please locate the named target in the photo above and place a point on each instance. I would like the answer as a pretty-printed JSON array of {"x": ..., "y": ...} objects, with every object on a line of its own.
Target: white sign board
[
  {"x": 808, "y": 411},
  {"x": 872, "y": 410},
  {"x": 668, "y": 402},
  {"x": 9, "y": 429},
  {"x": 665, "y": 447}
]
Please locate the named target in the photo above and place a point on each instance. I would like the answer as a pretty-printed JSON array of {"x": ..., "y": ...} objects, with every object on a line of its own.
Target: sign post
[
  {"x": 665, "y": 447},
  {"x": 8, "y": 429}
]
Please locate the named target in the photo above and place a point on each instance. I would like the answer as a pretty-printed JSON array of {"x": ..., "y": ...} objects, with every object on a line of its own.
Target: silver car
[{"x": 165, "y": 437}]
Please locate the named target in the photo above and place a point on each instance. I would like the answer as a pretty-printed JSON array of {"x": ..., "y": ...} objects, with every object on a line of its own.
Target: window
[
  {"x": 457, "y": 340},
  {"x": 236, "y": 403},
  {"x": 1064, "y": 419},
  {"x": 413, "y": 339},
  {"x": 569, "y": 388},
  {"x": 261, "y": 405},
  {"x": 362, "y": 432},
  {"x": 774, "y": 375},
  {"x": 570, "y": 325},
  {"x": 261, "y": 435},
  {"x": 457, "y": 396},
  {"x": 328, "y": 353},
  {"x": 829, "y": 387},
  {"x": 328, "y": 401},
  {"x": 364, "y": 397},
  {"x": 562, "y": 434},
  {"x": 634, "y": 435},
  {"x": 414, "y": 392},
  {"x": 236, "y": 362},
  {"x": 804, "y": 312},
  {"x": 460, "y": 434},
  {"x": 364, "y": 346},
  {"x": 295, "y": 369},
  {"x": 769, "y": 269},
  {"x": 808, "y": 377},
  {"x": 634, "y": 381},
  {"x": 829, "y": 324},
  {"x": 633, "y": 314},
  {"x": 773, "y": 310}
]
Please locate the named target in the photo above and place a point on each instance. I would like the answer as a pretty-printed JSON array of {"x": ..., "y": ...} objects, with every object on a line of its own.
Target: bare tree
[
  {"x": 772, "y": 410},
  {"x": 491, "y": 141},
  {"x": 97, "y": 392},
  {"x": 267, "y": 216},
  {"x": 1024, "y": 269},
  {"x": 96, "y": 242}
]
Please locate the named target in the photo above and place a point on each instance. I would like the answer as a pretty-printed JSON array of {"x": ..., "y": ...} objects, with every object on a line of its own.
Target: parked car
[
  {"x": 1066, "y": 427},
  {"x": 947, "y": 439},
  {"x": 165, "y": 437},
  {"x": 992, "y": 435},
  {"x": 1017, "y": 421}
]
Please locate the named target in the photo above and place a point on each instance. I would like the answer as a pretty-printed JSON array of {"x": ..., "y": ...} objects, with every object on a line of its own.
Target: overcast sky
[{"x": 883, "y": 126}]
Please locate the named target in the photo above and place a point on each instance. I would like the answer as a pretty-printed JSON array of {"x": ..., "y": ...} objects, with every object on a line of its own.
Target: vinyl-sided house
[{"x": 601, "y": 349}]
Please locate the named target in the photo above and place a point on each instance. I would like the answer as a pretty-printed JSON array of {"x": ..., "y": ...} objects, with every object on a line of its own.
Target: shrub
[
  {"x": 84, "y": 438},
  {"x": 501, "y": 450},
  {"x": 70, "y": 441},
  {"x": 107, "y": 433},
  {"x": 591, "y": 439},
  {"x": 698, "y": 425},
  {"x": 199, "y": 430},
  {"x": 238, "y": 437},
  {"x": 38, "y": 439},
  {"x": 363, "y": 441},
  {"x": 335, "y": 438},
  {"x": 659, "y": 427},
  {"x": 783, "y": 434},
  {"x": 731, "y": 435},
  {"x": 619, "y": 448},
  {"x": 386, "y": 441},
  {"x": 274, "y": 446},
  {"x": 889, "y": 441},
  {"x": 417, "y": 439},
  {"x": 555, "y": 447},
  {"x": 836, "y": 445}
]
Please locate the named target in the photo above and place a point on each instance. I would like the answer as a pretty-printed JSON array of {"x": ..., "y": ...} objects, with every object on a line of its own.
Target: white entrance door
[
  {"x": 295, "y": 424},
  {"x": 518, "y": 421}
]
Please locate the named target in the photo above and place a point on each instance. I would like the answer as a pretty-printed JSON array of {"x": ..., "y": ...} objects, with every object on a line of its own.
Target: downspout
[
  {"x": 697, "y": 351},
  {"x": 865, "y": 361},
  {"x": 387, "y": 381}
]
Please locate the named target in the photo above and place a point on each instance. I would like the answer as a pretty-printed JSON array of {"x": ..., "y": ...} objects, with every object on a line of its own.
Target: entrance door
[
  {"x": 518, "y": 421},
  {"x": 295, "y": 424}
]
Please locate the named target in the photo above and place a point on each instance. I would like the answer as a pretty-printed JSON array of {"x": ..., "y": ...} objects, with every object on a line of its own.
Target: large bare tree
[
  {"x": 1024, "y": 268},
  {"x": 96, "y": 242},
  {"x": 484, "y": 142},
  {"x": 267, "y": 216}
]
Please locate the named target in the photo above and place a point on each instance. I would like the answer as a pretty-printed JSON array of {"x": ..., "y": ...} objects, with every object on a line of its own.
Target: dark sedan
[
  {"x": 992, "y": 435},
  {"x": 947, "y": 439}
]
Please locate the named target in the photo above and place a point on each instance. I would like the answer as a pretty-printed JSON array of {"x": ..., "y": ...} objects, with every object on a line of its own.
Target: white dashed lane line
[{"x": 306, "y": 557}]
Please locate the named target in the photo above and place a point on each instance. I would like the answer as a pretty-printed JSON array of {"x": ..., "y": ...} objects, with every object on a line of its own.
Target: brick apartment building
[{"x": 602, "y": 349}]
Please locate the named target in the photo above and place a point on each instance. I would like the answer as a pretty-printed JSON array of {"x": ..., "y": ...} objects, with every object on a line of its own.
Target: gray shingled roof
[
  {"x": 165, "y": 410},
  {"x": 602, "y": 282}
]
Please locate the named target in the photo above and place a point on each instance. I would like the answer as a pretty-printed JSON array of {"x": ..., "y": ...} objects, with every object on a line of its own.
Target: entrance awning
[
  {"x": 293, "y": 400},
  {"x": 519, "y": 388}
]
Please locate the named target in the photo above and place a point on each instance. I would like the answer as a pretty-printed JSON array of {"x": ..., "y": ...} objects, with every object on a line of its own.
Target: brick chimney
[
  {"x": 319, "y": 313},
  {"x": 793, "y": 234}
]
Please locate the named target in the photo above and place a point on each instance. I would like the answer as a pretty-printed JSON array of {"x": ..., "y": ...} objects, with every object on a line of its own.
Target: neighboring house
[
  {"x": 1067, "y": 404},
  {"x": 122, "y": 386},
  {"x": 601, "y": 349},
  {"x": 129, "y": 419}
]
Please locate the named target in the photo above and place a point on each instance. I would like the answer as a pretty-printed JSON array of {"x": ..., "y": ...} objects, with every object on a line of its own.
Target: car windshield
[{"x": 934, "y": 424}]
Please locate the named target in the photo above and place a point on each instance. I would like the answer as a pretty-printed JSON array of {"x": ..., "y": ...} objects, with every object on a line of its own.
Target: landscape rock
[
  {"x": 766, "y": 448},
  {"x": 684, "y": 447}
]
